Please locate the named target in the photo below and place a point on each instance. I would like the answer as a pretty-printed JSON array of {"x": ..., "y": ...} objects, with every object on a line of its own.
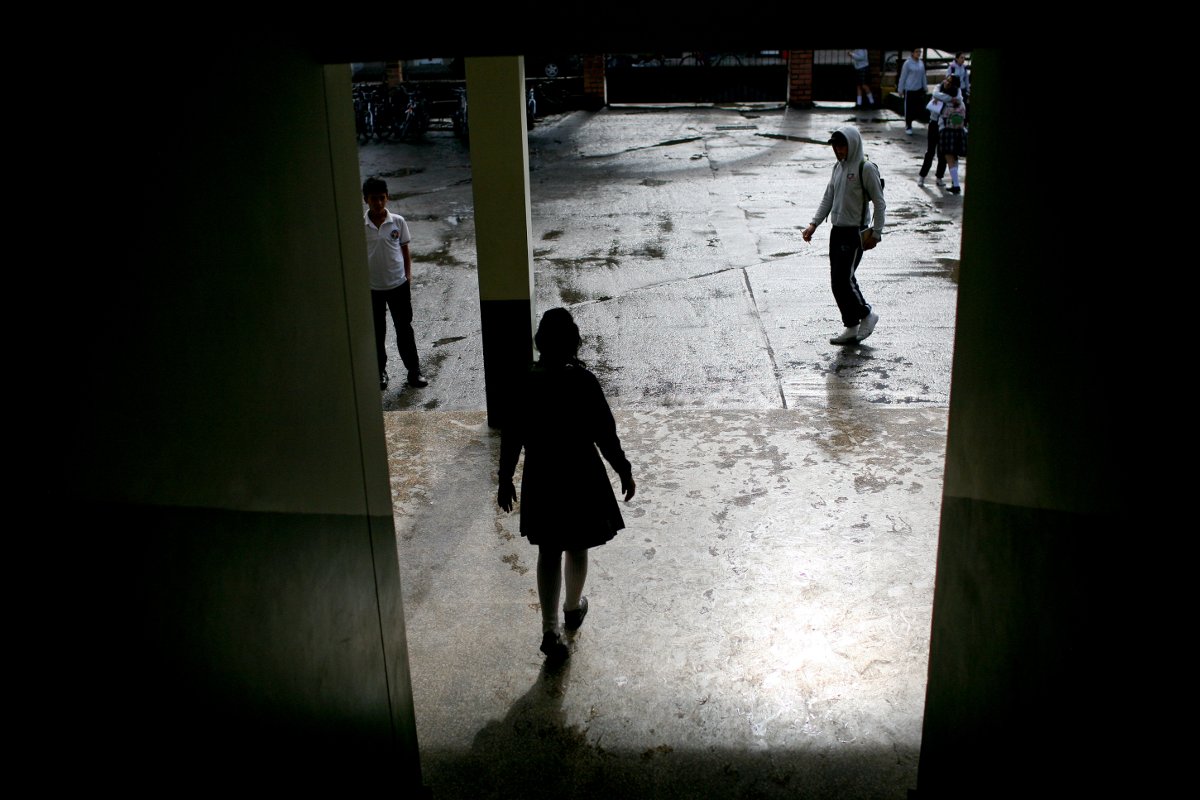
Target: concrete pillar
[
  {"x": 234, "y": 613},
  {"x": 1035, "y": 532},
  {"x": 875, "y": 74},
  {"x": 393, "y": 73},
  {"x": 595, "y": 86},
  {"x": 500, "y": 182},
  {"x": 800, "y": 78}
]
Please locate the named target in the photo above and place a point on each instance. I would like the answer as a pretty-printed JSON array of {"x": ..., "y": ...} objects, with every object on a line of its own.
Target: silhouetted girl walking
[{"x": 567, "y": 502}]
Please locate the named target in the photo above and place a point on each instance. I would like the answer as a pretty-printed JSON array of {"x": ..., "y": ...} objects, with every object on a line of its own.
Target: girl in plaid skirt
[{"x": 952, "y": 135}]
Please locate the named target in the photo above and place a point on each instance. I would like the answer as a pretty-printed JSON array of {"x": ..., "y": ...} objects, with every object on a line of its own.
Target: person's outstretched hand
[
  {"x": 506, "y": 495},
  {"x": 628, "y": 487}
]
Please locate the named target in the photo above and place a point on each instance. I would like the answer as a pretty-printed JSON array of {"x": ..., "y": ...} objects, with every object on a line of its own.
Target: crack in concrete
[
  {"x": 668, "y": 143},
  {"x": 671, "y": 281},
  {"x": 763, "y": 330}
]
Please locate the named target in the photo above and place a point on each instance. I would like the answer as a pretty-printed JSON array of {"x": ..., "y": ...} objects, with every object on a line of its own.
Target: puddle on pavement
[
  {"x": 673, "y": 142},
  {"x": 550, "y": 236},
  {"x": 402, "y": 172},
  {"x": 570, "y": 295},
  {"x": 788, "y": 138},
  {"x": 668, "y": 143},
  {"x": 586, "y": 261},
  {"x": 442, "y": 256},
  {"x": 951, "y": 265},
  {"x": 654, "y": 182}
]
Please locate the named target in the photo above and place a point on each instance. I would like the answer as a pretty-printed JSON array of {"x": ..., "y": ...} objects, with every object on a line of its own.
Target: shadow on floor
[{"x": 533, "y": 753}]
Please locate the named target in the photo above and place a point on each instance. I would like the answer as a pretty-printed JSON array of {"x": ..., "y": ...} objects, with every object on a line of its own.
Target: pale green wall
[
  {"x": 500, "y": 177},
  {"x": 229, "y": 448}
]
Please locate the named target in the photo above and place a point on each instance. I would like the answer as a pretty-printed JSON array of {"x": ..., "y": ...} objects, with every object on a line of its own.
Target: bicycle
[
  {"x": 415, "y": 119},
  {"x": 458, "y": 119}
]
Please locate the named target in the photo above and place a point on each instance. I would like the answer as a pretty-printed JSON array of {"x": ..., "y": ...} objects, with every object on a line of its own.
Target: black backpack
[{"x": 882, "y": 183}]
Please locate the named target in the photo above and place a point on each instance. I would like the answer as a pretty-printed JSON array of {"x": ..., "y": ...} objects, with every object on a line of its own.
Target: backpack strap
[{"x": 862, "y": 169}]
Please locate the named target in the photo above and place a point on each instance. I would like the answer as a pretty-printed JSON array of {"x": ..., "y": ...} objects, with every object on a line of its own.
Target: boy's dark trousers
[
  {"x": 845, "y": 253},
  {"x": 399, "y": 302}
]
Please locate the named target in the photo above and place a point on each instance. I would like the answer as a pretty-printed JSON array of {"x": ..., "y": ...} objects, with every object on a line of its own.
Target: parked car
[{"x": 553, "y": 66}]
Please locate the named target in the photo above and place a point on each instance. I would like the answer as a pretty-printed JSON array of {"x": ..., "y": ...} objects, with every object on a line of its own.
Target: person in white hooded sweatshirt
[{"x": 854, "y": 182}]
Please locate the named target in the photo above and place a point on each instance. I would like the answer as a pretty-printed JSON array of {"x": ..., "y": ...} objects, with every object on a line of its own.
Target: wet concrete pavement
[
  {"x": 674, "y": 237},
  {"x": 761, "y": 627}
]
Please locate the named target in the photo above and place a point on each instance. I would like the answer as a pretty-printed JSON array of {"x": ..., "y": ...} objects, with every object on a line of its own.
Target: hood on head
[{"x": 854, "y": 152}]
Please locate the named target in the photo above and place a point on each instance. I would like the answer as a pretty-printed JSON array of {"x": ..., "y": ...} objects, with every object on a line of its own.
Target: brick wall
[
  {"x": 800, "y": 75},
  {"x": 595, "y": 89}
]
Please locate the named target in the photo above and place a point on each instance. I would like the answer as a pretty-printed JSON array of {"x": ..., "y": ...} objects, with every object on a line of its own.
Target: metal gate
[
  {"x": 833, "y": 75},
  {"x": 695, "y": 77}
]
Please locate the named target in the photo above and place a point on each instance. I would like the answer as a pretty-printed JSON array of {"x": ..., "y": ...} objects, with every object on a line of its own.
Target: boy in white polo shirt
[{"x": 390, "y": 265}]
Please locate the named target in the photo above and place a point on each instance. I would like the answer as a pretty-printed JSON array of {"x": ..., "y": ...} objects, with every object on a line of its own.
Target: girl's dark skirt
[{"x": 952, "y": 142}]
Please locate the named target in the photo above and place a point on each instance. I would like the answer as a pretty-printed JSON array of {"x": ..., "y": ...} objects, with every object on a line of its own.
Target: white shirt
[
  {"x": 964, "y": 77},
  {"x": 385, "y": 259}
]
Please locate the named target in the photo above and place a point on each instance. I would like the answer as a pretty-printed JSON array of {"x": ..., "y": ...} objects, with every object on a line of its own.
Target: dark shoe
[
  {"x": 573, "y": 619},
  {"x": 383, "y": 380},
  {"x": 954, "y": 190},
  {"x": 553, "y": 647},
  {"x": 416, "y": 381}
]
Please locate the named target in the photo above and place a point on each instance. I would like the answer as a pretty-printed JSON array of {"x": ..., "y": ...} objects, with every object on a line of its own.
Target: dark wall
[
  {"x": 225, "y": 601},
  {"x": 1036, "y": 515}
]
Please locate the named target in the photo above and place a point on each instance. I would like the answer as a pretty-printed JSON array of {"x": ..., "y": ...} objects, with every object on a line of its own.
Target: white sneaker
[
  {"x": 940, "y": 182},
  {"x": 908, "y": 131},
  {"x": 920, "y": 180},
  {"x": 867, "y": 325},
  {"x": 848, "y": 336}
]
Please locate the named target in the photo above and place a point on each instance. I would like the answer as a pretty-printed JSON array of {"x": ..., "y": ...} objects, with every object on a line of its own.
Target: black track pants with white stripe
[{"x": 845, "y": 252}]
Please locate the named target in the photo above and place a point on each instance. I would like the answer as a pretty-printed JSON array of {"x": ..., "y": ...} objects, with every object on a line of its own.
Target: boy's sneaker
[
  {"x": 848, "y": 336},
  {"x": 867, "y": 325},
  {"x": 383, "y": 380},
  {"x": 955, "y": 190}
]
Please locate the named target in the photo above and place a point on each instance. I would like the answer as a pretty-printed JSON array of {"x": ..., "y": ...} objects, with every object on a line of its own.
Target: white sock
[
  {"x": 860, "y": 100},
  {"x": 575, "y": 573},
  {"x": 549, "y": 583},
  {"x": 870, "y": 98},
  {"x": 954, "y": 175}
]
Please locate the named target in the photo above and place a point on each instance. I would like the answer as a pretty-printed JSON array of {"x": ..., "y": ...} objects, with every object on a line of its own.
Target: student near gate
[{"x": 853, "y": 184}]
